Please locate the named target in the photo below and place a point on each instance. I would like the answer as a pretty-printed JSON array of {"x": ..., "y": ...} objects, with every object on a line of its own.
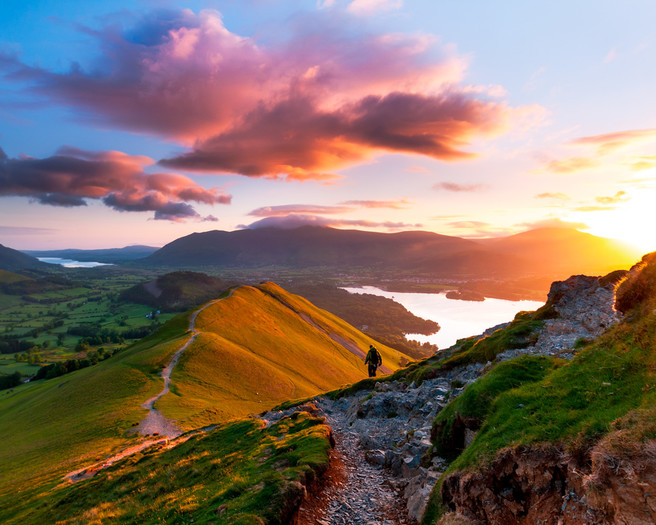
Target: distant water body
[
  {"x": 457, "y": 319},
  {"x": 70, "y": 263}
]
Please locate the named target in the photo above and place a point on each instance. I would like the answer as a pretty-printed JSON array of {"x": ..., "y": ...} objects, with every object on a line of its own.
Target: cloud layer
[
  {"x": 72, "y": 175},
  {"x": 298, "y": 108},
  {"x": 295, "y": 221}
]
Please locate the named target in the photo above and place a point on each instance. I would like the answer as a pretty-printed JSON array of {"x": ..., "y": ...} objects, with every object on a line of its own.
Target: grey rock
[{"x": 375, "y": 457}]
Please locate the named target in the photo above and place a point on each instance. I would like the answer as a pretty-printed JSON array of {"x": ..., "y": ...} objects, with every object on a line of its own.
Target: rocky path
[{"x": 354, "y": 492}]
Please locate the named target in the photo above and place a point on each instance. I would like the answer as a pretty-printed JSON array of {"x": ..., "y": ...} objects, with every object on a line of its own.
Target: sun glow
[{"x": 632, "y": 222}]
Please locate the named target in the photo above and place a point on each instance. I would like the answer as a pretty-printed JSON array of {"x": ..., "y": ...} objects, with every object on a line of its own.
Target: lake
[
  {"x": 70, "y": 263},
  {"x": 457, "y": 319}
]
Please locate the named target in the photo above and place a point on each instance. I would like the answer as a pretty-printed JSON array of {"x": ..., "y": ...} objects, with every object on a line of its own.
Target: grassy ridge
[
  {"x": 257, "y": 348},
  {"x": 240, "y": 472},
  {"x": 286, "y": 352}
]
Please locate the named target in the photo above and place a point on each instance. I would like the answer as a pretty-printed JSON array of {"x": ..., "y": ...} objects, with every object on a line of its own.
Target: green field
[{"x": 46, "y": 310}]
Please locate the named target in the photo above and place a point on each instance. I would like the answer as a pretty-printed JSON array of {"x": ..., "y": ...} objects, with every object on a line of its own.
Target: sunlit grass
[{"x": 239, "y": 471}]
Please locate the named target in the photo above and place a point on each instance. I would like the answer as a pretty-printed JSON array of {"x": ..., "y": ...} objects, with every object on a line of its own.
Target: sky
[{"x": 141, "y": 121}]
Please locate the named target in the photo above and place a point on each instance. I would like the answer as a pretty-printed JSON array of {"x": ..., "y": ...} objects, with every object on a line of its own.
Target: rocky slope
[{"x": 389, "y": 423}]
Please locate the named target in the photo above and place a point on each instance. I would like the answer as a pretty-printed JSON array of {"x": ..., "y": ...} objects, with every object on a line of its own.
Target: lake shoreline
[{"x": 457, "y": 318}]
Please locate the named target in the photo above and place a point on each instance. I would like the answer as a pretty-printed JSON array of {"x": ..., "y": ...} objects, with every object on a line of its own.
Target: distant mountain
[
  {"x": 313, "y": 246},
  {"x": 13, "y": 260},
  {"x": 108, "y": 255},
  {"x": 564, "y": 249},
  {"x": 550, "y": 251}
]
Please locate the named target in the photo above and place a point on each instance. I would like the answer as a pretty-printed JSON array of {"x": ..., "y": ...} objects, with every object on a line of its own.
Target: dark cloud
[
  {"x": 175, "y": 211},
  {"x": 296, "y": 140},
  {"x": 60, "y": 199},
  {"x": 73, "y": 175}
]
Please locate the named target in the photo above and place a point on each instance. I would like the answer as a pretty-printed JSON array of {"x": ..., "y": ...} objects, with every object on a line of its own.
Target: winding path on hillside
[{"x": 155, "y": 424}]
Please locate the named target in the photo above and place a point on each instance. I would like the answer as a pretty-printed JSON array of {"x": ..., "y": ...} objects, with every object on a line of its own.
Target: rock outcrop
[
  {"x": 582, "y": 308},
  {"x": 547, "y": 485}
]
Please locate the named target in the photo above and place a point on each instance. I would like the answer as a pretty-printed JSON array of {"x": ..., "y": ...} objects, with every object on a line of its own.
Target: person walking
[{"x": 374, "y": 360}]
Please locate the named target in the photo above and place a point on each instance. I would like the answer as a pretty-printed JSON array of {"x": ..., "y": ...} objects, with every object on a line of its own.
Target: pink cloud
[
  {"x": 368, "y": 7},
  {"x": 399, "y": 204},
  {"x": 72, "y": 175},
  {"x": 296, "y": 109},
  {"x": 458, "y": 188},
  {"x": 295, "y": 221},
  {"x": 302, "y": 209},
  {"x": 609, "y": 142}
]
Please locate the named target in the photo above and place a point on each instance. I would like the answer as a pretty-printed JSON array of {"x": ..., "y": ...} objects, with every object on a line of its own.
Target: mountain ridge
[{"x": 544, "y": 251}]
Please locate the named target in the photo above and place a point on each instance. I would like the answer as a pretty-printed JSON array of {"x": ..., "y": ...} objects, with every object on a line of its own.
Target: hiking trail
[
  {"x": 154, "y": 424},
  {"x": 353, "y": 491}
]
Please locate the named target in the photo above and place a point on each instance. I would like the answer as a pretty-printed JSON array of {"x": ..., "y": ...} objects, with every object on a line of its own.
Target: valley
[{"x": 283, "y": 375}]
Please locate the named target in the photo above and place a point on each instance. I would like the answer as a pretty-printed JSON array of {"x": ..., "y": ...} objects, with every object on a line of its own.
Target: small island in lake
[{"x": 465, "y": 295}]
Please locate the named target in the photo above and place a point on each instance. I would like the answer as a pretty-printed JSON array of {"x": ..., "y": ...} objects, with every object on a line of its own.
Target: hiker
[{"x": 374, "y": 359}]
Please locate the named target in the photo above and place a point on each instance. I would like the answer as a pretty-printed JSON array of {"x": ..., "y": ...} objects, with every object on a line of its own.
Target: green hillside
[
  {"x": 238, "y": 473},
  {"x": 597, "y": 409},
  {"x": 260, "y": 347},
  {"x": 256, "y": 348}
]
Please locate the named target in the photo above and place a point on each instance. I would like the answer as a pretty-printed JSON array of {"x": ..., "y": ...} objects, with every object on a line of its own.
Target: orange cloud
[
  {"x": 572, "y": 164},
  {"x": 593, "y": 208},
  {"x": 643, "y": 163},
  {"x": 553, "y": 223},
  {"x": 620, "y": 196},
  {"x": 557, "y": 196},
  {"x": 610, "y": 142}
]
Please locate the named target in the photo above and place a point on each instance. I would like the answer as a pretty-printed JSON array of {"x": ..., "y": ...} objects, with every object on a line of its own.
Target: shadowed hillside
[
  {"x": 176, "y": 291},
  {"x": 13, "y": 260}
]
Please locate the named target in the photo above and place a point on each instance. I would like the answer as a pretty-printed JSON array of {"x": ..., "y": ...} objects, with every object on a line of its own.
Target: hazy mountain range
[{"x": 540, "y": 251}]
